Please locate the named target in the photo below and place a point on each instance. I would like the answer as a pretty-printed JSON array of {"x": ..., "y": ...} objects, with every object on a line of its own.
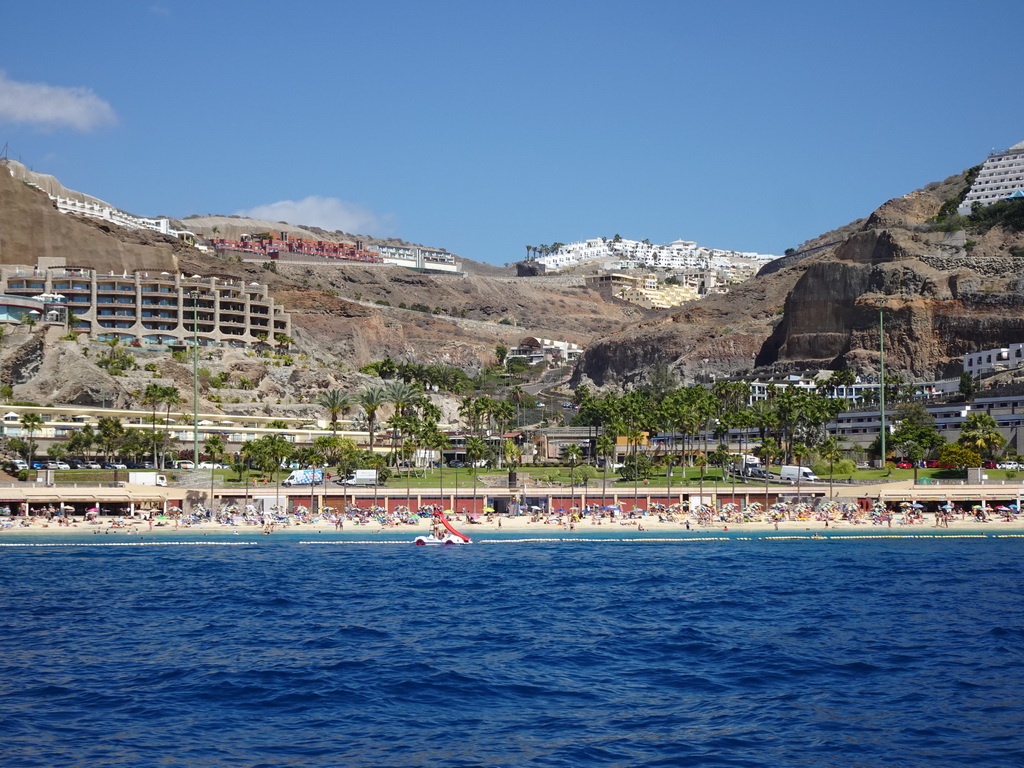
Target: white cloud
[
  {"x": 328, "y": 213},
  {"x": 52, "y": 106}
]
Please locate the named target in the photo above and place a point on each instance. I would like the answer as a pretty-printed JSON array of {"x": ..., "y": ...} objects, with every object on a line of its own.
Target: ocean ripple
[{"x": 613, "y": 653}]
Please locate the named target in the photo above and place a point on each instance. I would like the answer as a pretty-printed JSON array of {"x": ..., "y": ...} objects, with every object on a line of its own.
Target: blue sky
[{"x": 481, "y": 127}]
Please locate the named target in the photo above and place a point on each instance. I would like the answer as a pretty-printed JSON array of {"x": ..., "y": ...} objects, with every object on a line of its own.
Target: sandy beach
[{"x": 526, "y": 526}]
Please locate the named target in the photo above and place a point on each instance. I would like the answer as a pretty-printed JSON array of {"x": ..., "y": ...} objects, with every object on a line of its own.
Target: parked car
[
  {"x": 456, "y": 464},
  {"x": 1009, "y": 465},
  {"x": 212, "y": 465},
  {"x": 904, "y": 465},
  {"x": 93, "y": 465},
  {"x": 184, "y": 465},
  {"x": 988, "y": 464},
  {"x": 114, "y": 465}
]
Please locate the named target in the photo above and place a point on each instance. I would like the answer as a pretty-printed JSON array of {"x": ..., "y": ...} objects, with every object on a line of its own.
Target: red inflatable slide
[{"x": 446, "y": 524}]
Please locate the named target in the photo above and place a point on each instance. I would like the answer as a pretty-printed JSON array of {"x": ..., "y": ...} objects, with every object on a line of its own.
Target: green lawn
[{"x": 463, "y": 478}]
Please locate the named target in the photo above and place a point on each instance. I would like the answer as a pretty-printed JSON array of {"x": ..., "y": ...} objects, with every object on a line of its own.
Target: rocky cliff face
[
  {"x": 941, "y": 295},
  {"x": 31, "y": 228}
]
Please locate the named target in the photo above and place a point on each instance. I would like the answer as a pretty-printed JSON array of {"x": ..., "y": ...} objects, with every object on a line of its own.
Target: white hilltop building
[
  {"x": 1001, "y": 177},
  {"x": 619, "y": 254},
  {"x": 78, "y": 204}
]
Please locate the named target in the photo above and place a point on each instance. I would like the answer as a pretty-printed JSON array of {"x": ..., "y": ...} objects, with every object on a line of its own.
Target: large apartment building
[
  {"x": 1000, "y": 178},
  {"x": 146, "y": 308}
]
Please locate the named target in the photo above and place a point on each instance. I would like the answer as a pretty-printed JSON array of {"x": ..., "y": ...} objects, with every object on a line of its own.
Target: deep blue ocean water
[{"x": 275, "y": 652}]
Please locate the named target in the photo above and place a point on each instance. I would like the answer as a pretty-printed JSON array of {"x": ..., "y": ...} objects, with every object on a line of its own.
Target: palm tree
[
  {"x": 605, "y": 447},
  {"x": 403, "y": 396},
  {"x": 272, "y": 451},
  {"x": 914, "y": 452},
  {"x": 82, "y": 441},
  {"x": 171, "y": 397},
  {"x": 431, "y": 437},
  {"x": 337, "y": 403},
  {"x": 214, "y": 449},
  {"x": 370, "y": 400},
  {"x": 30, "y": 422},
  {"x": 573, "y": 454},
  {"x": 800, "y": 451},
  {"x": 472, "y": 410},
  {"x": 768, "y": 451},
  {"x": 248, "y": 458},
  {"x": 503, "y": 412},
  {"x": 831, "y": 453},
  {"x": 701, "y": 462},
  {"x": 111, "y": 435},
  {"x": 981, "y": 432},
  {"x": 517, "y": 396},
  {"x": 476, "y": 449},
  {"x": 153, "y": 395},
  {"x": 633, "y": 437}
]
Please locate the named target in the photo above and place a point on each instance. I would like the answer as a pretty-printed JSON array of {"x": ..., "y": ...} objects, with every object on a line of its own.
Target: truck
[
  {"x": 790, "y": 473},
  {"x": 304, "y": 477},
  {"x": 147, "y": 478},
  {"x": 742, "y": 464},
  {"x": 361, "y": 477}
]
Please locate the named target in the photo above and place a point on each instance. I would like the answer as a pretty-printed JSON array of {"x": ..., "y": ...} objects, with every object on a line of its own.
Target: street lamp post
[
  {"x": 195, "y": 378},
  {"x": 881, "y": 378}
]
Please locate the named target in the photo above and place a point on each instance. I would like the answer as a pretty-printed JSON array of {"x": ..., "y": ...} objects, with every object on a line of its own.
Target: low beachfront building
[{"x": 144, "y": 308}]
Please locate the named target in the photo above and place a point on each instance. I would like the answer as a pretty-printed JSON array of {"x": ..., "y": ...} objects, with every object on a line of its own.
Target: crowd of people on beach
[{"x": 353, "y": 516}]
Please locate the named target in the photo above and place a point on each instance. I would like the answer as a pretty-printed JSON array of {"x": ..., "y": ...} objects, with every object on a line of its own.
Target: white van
[{"x": 802, "y": 474}]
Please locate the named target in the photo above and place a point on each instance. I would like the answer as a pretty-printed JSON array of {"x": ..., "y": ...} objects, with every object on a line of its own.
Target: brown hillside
[
  {"x": 944, "y": 295},
  {"x": 31, "y": 228}
]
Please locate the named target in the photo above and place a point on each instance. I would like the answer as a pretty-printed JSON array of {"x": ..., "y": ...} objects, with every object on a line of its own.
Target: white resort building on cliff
[
  {"x": 619, "y": 254},
  {"x": 1000, "y": 178}
]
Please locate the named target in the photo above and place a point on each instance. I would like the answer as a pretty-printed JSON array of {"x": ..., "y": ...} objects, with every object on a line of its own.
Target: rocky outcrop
[
  {"x": 941, "y": 295},
  {"x": 43, "y": 368},
  {"x": 31, "y": 228}
]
